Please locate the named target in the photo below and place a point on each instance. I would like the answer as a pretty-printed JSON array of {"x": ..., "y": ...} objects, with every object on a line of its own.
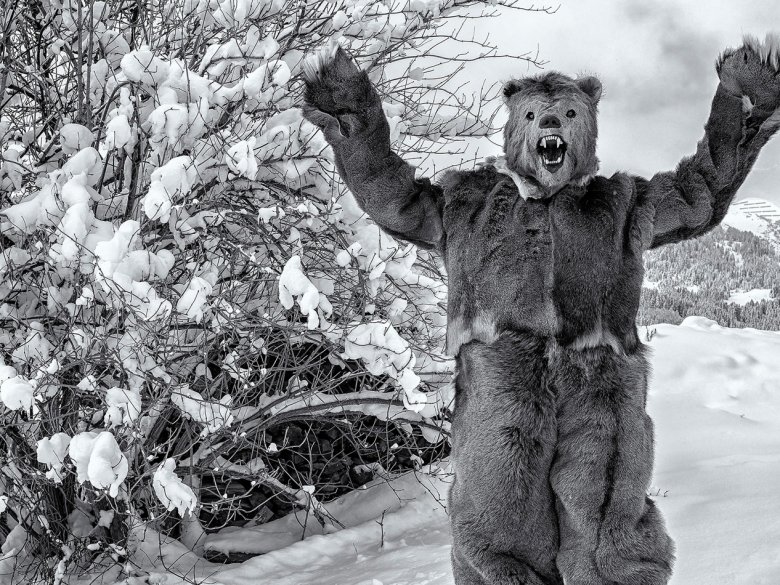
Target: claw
[
  {"x": 315, "y": 64},
  {"x": 768, "y": 51}
]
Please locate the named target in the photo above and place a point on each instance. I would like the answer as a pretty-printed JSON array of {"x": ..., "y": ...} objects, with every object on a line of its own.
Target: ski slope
[
  {"x": 757, "y": 216},
  {"x": 715, "y": 399}
]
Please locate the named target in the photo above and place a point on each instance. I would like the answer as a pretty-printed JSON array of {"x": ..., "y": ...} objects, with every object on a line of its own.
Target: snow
[
  {"x": 14, "y": 545},
  {"x": 145, "y": 67},
  {"x": 351, "y": 510},
  {"x": 715, "y": 400},
  {"x": 234, "y": 13},
  {"x": 74, "y": 137},
  {"x": 757, "y": 295},
  {"x": 99, "y": 460},
  {"x": 266, "y": 214},
  {"x": 213, "y": 415},
  {"x": 293, "y": 282},
  {"x": 384, "y": 351},
  {"x": 193, "y": 300},
  {"x": 124, "y": 406},
  {"x": 240, "y": 158},
  {"x": 51, "y": 451},
  {"x": 171, "y": 491},
  {"x": 87, "y": 161},
  {"x": 16, "y": 393},
  {"x": 118, "y": 132},
  {"x": 35, "y": 349},
  {"x": 757, "y": 216},
  {"x": 339, "y": 19},
  {"x": 177, "y": 126},
  {"x": 76, "y": 223},
  {"x": 123, "y": 271},
  {"x": 733, "y": 249}
]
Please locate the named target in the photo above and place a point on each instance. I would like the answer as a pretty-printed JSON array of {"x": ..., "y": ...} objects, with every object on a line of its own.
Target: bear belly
[
  {"x": 500, "y": 270},
  {"x": 598, "y": 266}
]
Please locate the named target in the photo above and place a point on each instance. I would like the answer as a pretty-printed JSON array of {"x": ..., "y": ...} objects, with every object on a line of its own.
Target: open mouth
[{"x": 552, "y": 150}]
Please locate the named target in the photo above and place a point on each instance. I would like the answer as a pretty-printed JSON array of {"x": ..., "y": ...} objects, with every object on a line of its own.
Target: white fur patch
[
  {"x": 747, "y": 104},
  {"x": 598, "y": 337},
  {"x": 584, "y": 180},
  {"x": 481, "y": 328},
  {"x": 772, "y": 123},
  {"x": 526, "y": 189}
]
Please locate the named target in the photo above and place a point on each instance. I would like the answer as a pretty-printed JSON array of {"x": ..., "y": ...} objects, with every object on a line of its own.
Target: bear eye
[
  {"x": 530, "y": 115},
  {"x": 571, "y": 114}
]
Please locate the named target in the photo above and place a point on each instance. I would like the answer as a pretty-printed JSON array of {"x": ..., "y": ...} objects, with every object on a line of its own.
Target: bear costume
[{"x": 551, "y": 444}]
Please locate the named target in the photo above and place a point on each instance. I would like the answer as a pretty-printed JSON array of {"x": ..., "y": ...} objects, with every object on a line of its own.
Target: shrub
[{"x": 198, "y": 327}]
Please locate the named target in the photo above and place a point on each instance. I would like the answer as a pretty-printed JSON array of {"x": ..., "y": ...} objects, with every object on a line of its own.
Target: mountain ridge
[{"x": 730, "y": 275}]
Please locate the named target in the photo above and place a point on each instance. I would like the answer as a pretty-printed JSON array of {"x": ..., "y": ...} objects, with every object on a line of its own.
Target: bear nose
[{"x": 549, "y": 121}]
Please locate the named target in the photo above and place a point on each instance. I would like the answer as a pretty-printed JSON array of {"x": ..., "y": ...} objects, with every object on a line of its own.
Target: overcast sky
[{"x": 656, "y": 61}]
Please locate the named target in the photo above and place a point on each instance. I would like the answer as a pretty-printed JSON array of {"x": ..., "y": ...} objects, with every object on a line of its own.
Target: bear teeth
[{"x": 550, "y": 141}]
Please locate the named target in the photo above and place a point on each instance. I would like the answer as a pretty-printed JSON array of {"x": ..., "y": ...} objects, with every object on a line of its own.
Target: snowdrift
[{"x": 715, "y": 399}]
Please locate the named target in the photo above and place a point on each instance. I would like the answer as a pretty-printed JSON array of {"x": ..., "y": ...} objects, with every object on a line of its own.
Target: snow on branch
[{"x": 195, "y": 315}]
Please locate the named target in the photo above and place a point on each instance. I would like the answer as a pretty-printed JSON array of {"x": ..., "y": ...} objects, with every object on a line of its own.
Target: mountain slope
[
  {"x": 757, "y": 216},
  {"x": 730, "y": 275}
]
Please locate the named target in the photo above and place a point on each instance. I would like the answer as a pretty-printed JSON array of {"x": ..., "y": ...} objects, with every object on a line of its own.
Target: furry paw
[
  {"x": 338, "y": 98},
  {"x": 753, "y": 70}
]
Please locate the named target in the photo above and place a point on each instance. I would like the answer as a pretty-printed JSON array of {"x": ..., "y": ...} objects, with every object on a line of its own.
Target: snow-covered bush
[{"x": 198, "y": 326}]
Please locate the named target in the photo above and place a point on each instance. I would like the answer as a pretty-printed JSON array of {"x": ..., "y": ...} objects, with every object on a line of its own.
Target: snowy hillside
[
  {"x": 715, "y": 399},
  {"x": 757, "y": 216},
  {"x": 730, "y": 275}
]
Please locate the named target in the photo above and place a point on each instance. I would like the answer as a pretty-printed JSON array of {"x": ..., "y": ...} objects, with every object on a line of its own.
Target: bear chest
[{"x": 546, "y": 266}]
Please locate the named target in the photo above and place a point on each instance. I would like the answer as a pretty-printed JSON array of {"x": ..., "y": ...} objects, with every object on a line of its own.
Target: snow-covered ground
[
  {"x": 755, "y": 215},
  {"x": 715, "y": 399},
  {"x": 743, "y": 297}
]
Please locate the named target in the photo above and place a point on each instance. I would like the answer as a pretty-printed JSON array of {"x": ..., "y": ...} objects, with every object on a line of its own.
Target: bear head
[{"x": 551, "y": 133}]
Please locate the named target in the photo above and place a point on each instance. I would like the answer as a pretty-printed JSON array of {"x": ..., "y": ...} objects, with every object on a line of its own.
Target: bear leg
[
  {"x": 474, "y": 564},
  {"x": 502, "y": 509},
  {"x": 611, "y": 532}
]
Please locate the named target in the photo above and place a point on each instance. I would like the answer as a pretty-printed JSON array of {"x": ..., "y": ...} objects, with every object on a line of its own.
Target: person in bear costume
[{"x": 551, "y": 445}]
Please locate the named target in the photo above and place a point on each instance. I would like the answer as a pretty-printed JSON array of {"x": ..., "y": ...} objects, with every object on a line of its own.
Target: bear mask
[{"x": 550, "y": 137}]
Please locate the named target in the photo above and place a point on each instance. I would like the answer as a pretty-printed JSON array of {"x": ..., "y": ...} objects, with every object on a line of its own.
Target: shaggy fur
[
  {"x": 340, "y": 100},
  {"x": 552, "y": 447},
  {"x": 504, "y": 525},
  {"x": 610, "y": 531}
]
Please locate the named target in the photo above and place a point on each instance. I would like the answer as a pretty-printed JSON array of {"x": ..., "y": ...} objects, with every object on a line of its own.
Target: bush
[{"x": 198, "y": 327}]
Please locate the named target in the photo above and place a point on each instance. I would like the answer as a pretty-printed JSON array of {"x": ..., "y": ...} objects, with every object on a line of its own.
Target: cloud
[
  {"x": 656, "y": 60},
  {"x": 678, "y": 59}
]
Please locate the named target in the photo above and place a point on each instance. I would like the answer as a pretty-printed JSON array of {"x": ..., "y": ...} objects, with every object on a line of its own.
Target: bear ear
[
  {"x": 591, "y": 86},
  {"x": 513, "y": 86}
]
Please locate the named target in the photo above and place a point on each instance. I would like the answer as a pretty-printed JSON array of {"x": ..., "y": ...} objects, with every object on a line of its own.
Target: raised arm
[
  {"x": 341, "y": 101},
  {"x": 693, "y": 199}
]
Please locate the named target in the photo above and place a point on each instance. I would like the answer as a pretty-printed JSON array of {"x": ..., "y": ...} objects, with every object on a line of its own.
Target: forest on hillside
[{"x": 698, "y": 277}]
